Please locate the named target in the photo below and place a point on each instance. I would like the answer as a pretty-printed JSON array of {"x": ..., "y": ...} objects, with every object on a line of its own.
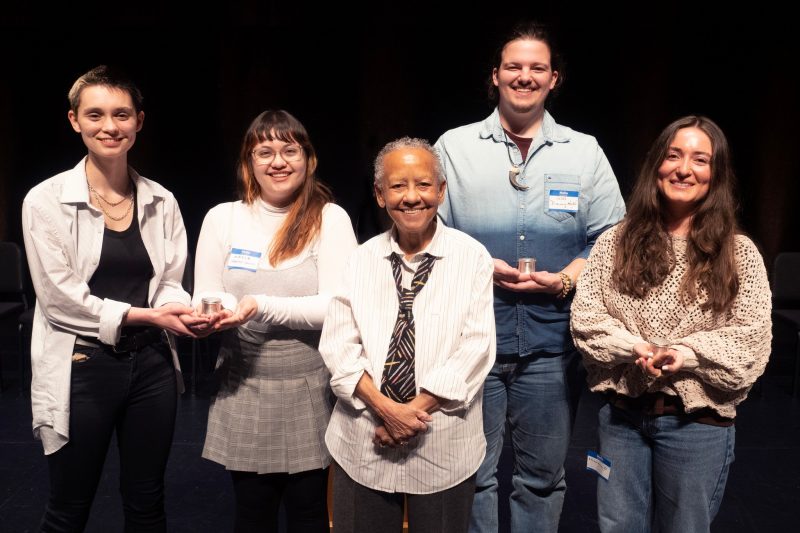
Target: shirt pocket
[{"x": 561, "y": 195}]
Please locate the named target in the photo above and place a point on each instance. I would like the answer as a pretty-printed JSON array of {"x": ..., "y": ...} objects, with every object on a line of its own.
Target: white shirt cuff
[{"x": 111, "y": 316}]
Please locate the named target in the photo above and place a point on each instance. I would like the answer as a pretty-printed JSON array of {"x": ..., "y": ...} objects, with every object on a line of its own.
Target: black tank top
[{"x": 124, "y": 271}]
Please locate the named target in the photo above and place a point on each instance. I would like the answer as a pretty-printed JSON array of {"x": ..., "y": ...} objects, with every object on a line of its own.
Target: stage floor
[{"x": 761, "y": 495}]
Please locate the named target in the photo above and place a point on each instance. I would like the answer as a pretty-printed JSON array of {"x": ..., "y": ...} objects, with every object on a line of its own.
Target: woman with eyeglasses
[{"x": 273, "y": 259}]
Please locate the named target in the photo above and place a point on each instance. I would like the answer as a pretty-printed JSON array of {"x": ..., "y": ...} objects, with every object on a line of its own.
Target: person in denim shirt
[{"x": 527, "y": 187}]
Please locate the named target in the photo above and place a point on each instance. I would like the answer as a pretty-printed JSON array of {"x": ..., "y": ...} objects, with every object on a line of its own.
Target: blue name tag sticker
[
  {"x": 560, "y": 200},
  {"x": 241, "y": 259},
  {"x": 598, "y": 464}
]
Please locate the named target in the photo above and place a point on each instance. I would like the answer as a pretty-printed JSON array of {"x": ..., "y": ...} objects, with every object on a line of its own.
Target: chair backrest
[
  {"x": 786, "y": 280},
  {"x": 11, "y": 271}
]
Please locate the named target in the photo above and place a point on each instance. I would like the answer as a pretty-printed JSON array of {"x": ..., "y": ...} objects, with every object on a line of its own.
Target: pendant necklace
[{"x": 515, "y": 170}]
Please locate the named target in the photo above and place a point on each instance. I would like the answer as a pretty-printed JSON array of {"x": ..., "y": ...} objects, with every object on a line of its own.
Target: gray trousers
[{"x": 358, "y": 509}]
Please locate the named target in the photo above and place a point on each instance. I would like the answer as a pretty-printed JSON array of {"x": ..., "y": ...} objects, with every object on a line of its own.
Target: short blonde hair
[{"x": 108, "y": 77}]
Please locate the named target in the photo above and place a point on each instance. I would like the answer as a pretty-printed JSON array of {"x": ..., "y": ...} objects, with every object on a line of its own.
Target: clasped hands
[
  {"x": 656, "y": 363},
  {"x": 202, "y": 325},
  {"x": 510, "y": 278},
  {"x": 401, "y": 422}
]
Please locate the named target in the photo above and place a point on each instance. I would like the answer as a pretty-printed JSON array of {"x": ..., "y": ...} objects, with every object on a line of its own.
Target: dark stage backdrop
[{"x": 358, "y": 79}]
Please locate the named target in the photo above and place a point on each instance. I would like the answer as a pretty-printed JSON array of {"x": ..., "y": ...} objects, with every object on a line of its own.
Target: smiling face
[
  {"x": 685, "y": 173},
  {"x": 281, "y": 177},
  {"x": 524, "y": 77},
  {"x": 106, "y": 120},
  {"x": 411, "y": 194}
]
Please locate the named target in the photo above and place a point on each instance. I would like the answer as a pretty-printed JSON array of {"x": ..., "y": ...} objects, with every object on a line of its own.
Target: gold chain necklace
[
  {"x": 103, "y": 209},
  {"x": 101, "y": 197}
]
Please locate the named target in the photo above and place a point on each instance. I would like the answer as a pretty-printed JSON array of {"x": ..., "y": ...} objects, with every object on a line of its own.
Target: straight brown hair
[{"x": 304, "y": 219}]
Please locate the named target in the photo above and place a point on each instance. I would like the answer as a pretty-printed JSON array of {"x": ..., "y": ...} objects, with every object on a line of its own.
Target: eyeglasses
[{"x": 290, "y": 153}]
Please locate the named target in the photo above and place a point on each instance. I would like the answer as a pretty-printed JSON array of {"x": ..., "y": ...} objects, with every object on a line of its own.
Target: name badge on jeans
[
  {"x": 598, "y": 464},
  {"x": 241, "y": 259},
  {"x": 561, "y": 200}
]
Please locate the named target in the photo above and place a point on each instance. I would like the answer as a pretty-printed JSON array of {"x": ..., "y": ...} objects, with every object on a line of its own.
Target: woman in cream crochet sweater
[{"x": 672, "y": 316}]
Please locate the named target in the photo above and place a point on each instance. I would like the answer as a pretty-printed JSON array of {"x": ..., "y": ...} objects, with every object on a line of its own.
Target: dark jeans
[
  {"x": 304, "y": 496},
  {"x": 357, "y": 508},
  {"x": 135, "y": 394}
]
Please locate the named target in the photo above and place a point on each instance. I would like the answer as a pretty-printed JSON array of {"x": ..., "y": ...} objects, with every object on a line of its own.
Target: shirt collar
[
  {"x": 435, "y": 247},
  {"x": 76, "y": 191},
  {"x": 549, "y": 132}
]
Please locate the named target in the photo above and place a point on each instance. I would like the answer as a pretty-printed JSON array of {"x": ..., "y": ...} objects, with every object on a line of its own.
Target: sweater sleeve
[
  {"x": 212, "y": 249},
  {"x": 732, "y": 356},
  {"x": 602, "y": 339}
]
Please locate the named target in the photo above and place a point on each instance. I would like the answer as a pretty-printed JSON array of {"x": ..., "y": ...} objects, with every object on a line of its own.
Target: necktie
[{"x": 398, "y": 372}]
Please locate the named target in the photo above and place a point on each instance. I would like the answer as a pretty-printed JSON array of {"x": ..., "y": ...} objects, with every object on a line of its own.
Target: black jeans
[
  {"x": 135, "y": 394},
  {"x": 258, "y": 498}
]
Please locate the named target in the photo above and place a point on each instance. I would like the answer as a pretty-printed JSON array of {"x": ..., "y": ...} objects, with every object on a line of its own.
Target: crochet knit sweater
[{"x": 724, "y": 354}]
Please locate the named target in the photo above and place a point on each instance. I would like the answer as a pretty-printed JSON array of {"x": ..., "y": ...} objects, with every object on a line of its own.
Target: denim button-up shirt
[{"x": 544, "y": 221}]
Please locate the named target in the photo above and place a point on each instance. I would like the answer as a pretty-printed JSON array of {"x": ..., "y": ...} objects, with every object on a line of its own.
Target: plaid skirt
[{"x": 273, "y": 405}]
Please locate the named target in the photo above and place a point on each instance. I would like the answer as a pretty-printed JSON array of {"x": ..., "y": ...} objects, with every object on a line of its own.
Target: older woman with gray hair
[{"x": 409, "y": 340}]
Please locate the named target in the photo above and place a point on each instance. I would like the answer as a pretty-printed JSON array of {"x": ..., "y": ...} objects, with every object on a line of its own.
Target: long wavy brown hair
[
  {"x": 645, "y": 256},
  {"x": 304, "y": 219}
]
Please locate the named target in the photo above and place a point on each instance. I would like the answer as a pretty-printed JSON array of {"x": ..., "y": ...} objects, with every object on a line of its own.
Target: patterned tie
[{"x": 398, "y": 372}]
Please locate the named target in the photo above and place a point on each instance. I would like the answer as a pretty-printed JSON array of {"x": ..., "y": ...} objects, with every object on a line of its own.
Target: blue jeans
[
  {"x": 667, "y": 473},
  {"x": 537, "y": 395}
]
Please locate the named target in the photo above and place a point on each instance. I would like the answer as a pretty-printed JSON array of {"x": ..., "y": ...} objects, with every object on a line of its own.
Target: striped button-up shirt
[{"x": 455, "y": 349}]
